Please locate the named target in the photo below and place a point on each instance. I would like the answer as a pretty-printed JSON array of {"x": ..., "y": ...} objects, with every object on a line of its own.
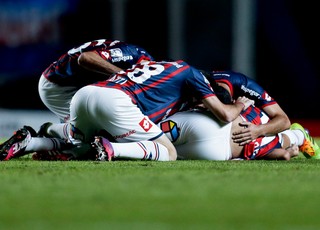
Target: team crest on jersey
[
  {"x": 170, "y": 128},
  {"x": 145, "y": 124}
]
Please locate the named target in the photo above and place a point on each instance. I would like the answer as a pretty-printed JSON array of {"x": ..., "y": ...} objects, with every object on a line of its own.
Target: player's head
[{"x": 223, "y": 94}]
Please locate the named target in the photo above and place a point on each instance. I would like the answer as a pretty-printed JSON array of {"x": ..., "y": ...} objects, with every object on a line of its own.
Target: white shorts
[
  {"x": 198, "y": 136},
  {"x": 56, "y": 98},
  {"x": 94, "y": 108}
]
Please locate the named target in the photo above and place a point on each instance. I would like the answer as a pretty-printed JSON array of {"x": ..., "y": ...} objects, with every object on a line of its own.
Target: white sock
[
  {"x": 44, "y": 144},
  {"x": 142, "y": 150},
  {"x": 296, "y": 136},
  {"x": 60, "y": 130}
]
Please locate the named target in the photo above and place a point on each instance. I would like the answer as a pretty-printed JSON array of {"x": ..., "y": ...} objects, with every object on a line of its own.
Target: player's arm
[
  {"x": 278, "y": 122},
  {"x": 226, "y": 112},
  {"x": 92, "y": 61}
]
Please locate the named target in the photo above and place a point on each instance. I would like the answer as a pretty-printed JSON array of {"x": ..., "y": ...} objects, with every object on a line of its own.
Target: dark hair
[{"x": 223, "y": 94}]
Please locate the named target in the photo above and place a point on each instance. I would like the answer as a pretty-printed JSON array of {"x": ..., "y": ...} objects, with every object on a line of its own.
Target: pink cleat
[{"x": 104, "y": 149}]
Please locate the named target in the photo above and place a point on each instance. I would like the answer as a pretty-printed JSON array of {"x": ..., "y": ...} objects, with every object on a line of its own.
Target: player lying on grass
[
  {"x": 90, "y": 62},
  {"x": 128, "y": 105},
  {"x": 197, "y": 135},
  {"x": 238, "y": 84}
]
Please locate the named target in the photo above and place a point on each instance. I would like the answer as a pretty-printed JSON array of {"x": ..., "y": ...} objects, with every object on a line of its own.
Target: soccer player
[
  {"x": 238, "y": 84},
  {"x": 129, "y": 105},
  {"x": 137, "y": 99},
  {"x": 197, "y": 135},
  {"x": 88, "y": 63}
]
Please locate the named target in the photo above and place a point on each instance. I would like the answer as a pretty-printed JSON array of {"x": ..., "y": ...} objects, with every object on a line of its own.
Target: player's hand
[
  {"x": 245, "y": 135},
  {"x": 245, "y": 101}
]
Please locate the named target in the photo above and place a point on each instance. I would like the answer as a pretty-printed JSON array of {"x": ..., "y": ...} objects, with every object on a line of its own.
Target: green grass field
[{"x": 160, "y": 195}]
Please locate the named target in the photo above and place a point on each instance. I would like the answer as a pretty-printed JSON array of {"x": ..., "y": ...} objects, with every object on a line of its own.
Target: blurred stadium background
[{"x": 272, "y": 41}]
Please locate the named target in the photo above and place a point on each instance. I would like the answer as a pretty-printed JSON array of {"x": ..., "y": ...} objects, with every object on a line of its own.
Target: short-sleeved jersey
[
  {"x": 241, "y": 85},
  {"x": 161, "y": 88},
  {"x": 66, "y": 71}
]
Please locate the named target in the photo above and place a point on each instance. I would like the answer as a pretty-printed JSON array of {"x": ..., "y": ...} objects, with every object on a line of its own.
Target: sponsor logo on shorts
[
  {"x": 124, "y": 135},
  {"x": 170, "y": 128},
  {"x": 145, "y": 124}
]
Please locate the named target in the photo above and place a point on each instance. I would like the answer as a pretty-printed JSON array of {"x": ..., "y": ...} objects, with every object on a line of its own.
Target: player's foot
[
  {"x": 51, "y": 156},
  {"x": 309, "y": 148},
  {"x": 104, "y": 148},
  {"x": 15, "y": 146},
  {"x": 42, "y": 132}
]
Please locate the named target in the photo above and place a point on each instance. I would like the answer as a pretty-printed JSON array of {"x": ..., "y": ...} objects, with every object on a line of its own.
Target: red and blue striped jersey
[
  {"x": 261, "y": 146},
  {"x": 255, "y": 115},
  {"x": 66, "y": 71},
  {"x": 161, "y": 89},
  {"x": 241, "y": 85}
]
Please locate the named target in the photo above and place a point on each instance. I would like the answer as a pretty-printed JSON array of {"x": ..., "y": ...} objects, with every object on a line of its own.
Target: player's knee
[
  {"x": 171, "y": 150},
  {"x": 172, "y": 153},
  {"x": 166, "y": 152}
]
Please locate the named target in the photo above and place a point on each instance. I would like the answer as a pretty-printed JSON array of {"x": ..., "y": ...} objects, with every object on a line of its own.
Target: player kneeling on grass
[{"x": 82, "y": 65}]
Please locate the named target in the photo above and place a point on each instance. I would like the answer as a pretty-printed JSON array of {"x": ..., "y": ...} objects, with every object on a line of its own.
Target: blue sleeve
[
  {"x": 241, "y": 85},
  {"x": 254, "y": 91},
  {"x": 200, "y": 83}
]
